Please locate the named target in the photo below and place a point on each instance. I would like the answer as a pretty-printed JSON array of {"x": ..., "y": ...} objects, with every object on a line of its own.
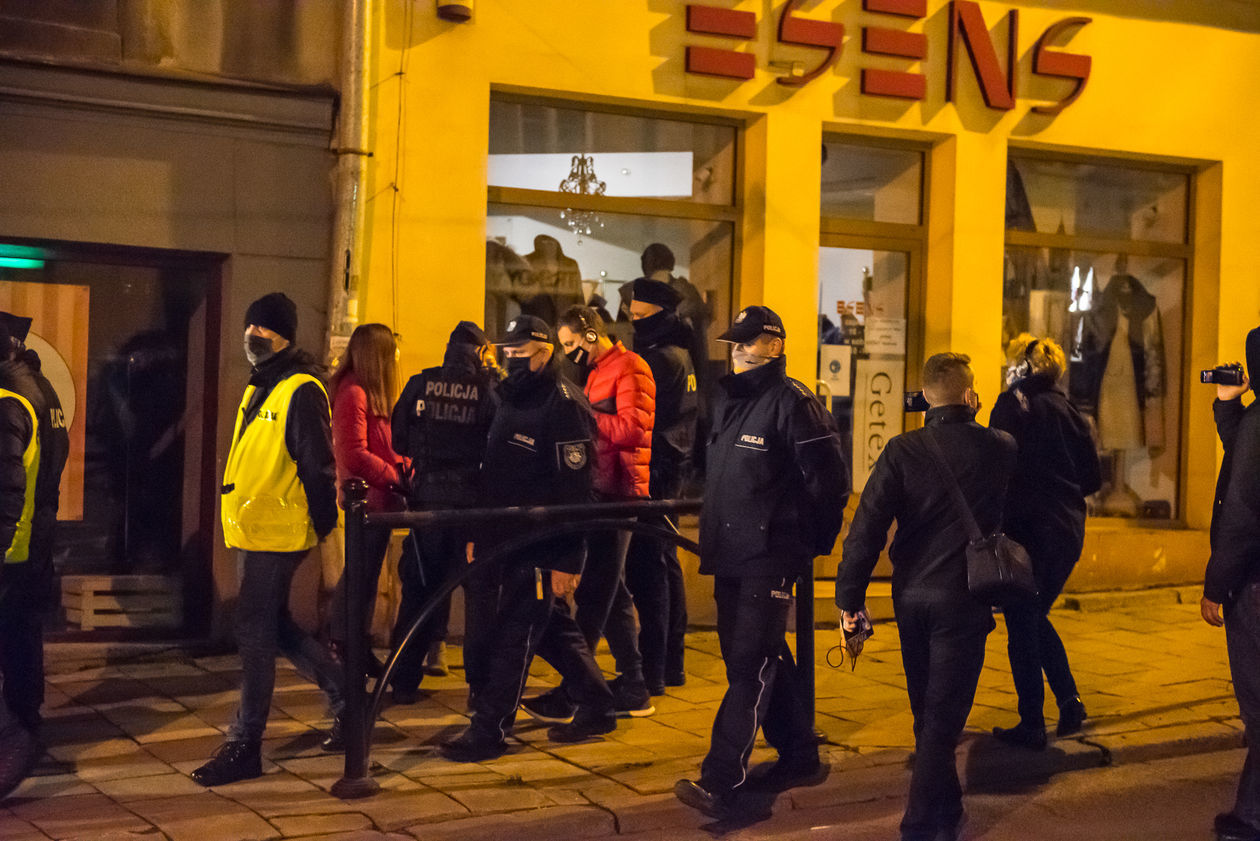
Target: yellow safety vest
[
  {"x": 264, "y": 504},
  {"x": 20, "y": 549}
]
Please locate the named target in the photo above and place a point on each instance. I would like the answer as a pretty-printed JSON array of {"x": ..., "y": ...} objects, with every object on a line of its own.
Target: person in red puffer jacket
[
  {"x": 622, "y": 394},
  {"x": 364, "y": 390}
]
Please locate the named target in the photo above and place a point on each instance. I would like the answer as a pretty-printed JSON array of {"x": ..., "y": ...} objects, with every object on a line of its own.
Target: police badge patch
[{"x": 573, "y": 455}]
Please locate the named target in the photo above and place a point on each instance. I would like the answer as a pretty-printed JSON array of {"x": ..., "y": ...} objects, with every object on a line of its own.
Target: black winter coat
[
  {"x": 441, "y": 422},
  {"x": 16, "y": 431},
  {"x": 662, "y": 341},
  {"x": 307, "y": 433},
  {"x": 929, "y": 550},
  {"x": 777, "y": 481},
  {"x": 1056, "y": 469},
  {"x": 1235, "y": 533},
  {"x": 540, "y": 451}
]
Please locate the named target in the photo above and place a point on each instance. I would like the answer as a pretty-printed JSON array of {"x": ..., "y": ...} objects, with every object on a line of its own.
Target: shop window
[
  {"x": 575, "y": 198},
  {"x": 871, "y": 183},
  {"x": 1096, "y": 259}
]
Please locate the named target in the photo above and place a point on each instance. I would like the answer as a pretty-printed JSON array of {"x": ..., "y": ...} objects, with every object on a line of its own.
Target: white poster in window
[
  {"x": 877, "y": 411},
  {"x": 835, "y": 368},
  {"x": 885, "y": 336}
]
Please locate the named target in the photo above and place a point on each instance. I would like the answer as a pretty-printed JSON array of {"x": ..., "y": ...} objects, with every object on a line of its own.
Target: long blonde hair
[{"x": 371, "y": 356}]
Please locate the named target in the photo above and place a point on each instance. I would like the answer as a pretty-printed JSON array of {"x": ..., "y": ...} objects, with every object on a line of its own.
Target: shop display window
[
  {"x": 871, "y": 183},
  {"x": 575, "y": 199},
  {"x": 1111, "y": 275}
]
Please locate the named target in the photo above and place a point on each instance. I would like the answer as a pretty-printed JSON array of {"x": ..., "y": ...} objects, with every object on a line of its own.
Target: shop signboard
[{"x": 877, "y": 413}]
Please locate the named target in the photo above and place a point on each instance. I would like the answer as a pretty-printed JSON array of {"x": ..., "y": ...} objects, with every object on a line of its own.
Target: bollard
[
  {"x": 805, "y": 641},
  {"x": 357, "y": 730}
]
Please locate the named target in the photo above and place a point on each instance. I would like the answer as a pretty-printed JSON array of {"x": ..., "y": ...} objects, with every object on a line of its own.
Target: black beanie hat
[
  {"x": 467, "y": 333},
  {"x": 13, "y": 329},
  {"x": 275, "y": 312},
  {"x": 648, "y": 291}
]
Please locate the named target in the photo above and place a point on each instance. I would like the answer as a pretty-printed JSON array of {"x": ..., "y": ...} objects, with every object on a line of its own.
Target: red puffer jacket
[
  {"x": 623, "y": 395},
  {"x": 362, "y": 446}
]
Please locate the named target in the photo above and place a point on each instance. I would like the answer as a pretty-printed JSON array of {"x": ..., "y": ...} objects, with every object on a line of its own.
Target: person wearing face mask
[
  {"x": 776, "y": 489},
  {"x": 622, "y": 393},
  {"x": 653, "y": 574},
  {"x": 279, "y": 498},
  {"x": 440, "y": 422},
  {"x": 539, "y": 452}
]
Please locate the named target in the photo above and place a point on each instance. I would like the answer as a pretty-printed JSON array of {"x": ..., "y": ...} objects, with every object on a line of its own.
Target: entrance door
[
  {"x": 128, "y": 340},
  {"x": 864, "y": 342}
]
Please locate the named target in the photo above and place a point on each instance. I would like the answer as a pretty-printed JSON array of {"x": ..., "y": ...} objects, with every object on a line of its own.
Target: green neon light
[
  {"x": 20, "y": 263},
  {"x": 23, "y": 251}
]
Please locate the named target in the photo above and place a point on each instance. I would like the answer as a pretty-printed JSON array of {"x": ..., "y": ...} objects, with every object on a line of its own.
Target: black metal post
[
  {"x": 805, "y": 640},
  {"x": 355, "y": 781}
]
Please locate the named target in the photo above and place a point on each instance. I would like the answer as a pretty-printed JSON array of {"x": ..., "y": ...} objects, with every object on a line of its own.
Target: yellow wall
[{"x": 1159, "y": 89}]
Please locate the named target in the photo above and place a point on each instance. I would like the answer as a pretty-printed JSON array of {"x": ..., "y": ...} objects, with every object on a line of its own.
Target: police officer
[
  {"x": 440, "y": 423},
  {"x": 653, "y": 574},
  {"x": 539, "y": 452},
  {"x": 776, "y": 490},
  {"x": 279, "y": 500},
  {"x": 33, "y": 449}
]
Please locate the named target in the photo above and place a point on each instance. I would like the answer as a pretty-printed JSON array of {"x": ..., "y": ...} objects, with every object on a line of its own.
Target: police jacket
[
  {"x": 661, "y": 340},
  {"x": 307, "y": 432},
  {"x": 18, "y": 431},
  {"x": 1235, "y": 558},
  {"x": 1056, "y": 469},
  {"x": 540, "y": 451},
  {"x": 440, "y": 422},
  {"x": 622, "y": 394},
  {"x": 929, "y": 550},
  {"x": 777, "y": 482},
  {"x": 54, "y": 450}
]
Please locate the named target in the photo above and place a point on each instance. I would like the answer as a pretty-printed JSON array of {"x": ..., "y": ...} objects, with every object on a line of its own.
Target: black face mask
[
  {"x": 579, "y": 356},
  {"x": 652, "y": 327},
  {"x": 258, "y": 349}
]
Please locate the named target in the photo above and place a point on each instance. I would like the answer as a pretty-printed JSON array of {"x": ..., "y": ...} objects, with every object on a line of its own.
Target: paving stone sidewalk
[{"x": 124, "y": 731}]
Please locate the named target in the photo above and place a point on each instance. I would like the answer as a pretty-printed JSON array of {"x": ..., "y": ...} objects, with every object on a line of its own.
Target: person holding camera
[
  {"x": 1056, "y": 469},
  {"x": 1231, "y": 585},
  {"x": 942, "y": 627}
]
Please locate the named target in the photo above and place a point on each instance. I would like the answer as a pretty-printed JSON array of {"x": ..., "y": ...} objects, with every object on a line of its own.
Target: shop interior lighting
[{"x": 21, "y": 257}]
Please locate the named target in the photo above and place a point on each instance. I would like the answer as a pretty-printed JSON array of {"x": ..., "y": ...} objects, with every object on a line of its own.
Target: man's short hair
[
  {"x": 579, "y": 319},
  {"x": 656, "y": 257},
  {"x": 946, "y": 378}
]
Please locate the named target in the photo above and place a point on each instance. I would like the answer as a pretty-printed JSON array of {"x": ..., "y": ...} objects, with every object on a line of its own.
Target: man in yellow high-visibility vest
[
  {"x": 279, "y": 499},
  {"x": 25, "y": 535}
]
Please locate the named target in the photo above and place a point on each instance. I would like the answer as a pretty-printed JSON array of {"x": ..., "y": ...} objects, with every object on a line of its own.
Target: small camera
[
  {"x": 1223, "y": 375},
  {"x": 914, "y": 401}
]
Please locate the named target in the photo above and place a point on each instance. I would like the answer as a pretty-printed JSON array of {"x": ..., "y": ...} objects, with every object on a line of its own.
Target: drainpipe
[{"x": 350, "y": 212}]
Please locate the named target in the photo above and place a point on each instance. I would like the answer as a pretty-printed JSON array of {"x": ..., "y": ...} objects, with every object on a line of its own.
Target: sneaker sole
[
  {"x": 639, "y": 713},
  {"x": 546, "y": 719}
]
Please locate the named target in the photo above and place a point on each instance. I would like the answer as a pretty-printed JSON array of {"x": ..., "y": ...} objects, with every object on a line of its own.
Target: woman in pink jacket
[{"x": 364, "y": 390}]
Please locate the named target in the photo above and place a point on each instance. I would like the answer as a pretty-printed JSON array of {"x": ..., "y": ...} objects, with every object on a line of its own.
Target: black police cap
[
  {"x": 526, "y": 328},
  {"x": 751, "y": 323}
]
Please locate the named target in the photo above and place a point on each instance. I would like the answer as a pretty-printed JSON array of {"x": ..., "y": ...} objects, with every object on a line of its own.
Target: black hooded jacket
[
  {"x": 663, "y": 340},
  {"x": 1056, "y": 469},
  {"x": 308, "y": 432},
  {"x": 1235, "y": 534},
  {"x": 777, "y": 480},
  {"x": 440, "y": 422}
]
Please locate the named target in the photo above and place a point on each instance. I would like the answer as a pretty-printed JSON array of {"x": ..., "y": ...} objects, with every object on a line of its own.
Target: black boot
[
  {"x": 233, "y": 761},
  {"x": 1025, "y": 735},
  {"x": 19, "y": 751},
  {"x": 1071, "y": 716},
  {"x": 335, "y": 740}
]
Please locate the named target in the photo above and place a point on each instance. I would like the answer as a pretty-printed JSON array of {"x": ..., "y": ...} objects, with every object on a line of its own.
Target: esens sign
[{"x": 967, "y": 34}]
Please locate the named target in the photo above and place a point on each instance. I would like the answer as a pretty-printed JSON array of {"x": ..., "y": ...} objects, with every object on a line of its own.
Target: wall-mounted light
[{"x": 459, "y": 11}]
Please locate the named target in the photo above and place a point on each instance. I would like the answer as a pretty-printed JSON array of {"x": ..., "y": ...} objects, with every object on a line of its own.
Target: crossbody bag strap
[{"x": 942, "y": 466}]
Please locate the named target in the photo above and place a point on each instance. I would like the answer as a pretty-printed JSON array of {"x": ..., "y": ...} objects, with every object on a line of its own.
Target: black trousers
[
  {"x": 429, "y": 559},
  {"x": 604, "y": 607},
  {"x": 531, "y": 620},
  {"x": 375, "y": 547},
  {"x": 763, "y": 690},
  {"x": 1242, "y": 638},
  {"x": 22, "y": 641},
  {"x": 942, "y": 650},
  {"x": 654, "y": 579},
  {"x": 1033, "y": 645}
]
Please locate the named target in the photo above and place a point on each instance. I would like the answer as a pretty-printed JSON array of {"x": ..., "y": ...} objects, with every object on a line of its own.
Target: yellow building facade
[{"x": 1161, "y": 138}]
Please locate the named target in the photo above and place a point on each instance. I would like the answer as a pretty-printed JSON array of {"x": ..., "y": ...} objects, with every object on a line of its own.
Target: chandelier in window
[{"x": 582, "y": 181}]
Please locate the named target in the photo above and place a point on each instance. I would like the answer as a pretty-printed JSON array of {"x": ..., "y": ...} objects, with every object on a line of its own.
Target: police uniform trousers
[
  {"x": 942, "y": 650},
  {"x": 1242, "y": 639},
  {"x": 763, "y": 688},
  {"x": 654, "y": 579},
  {"x": 1033, "y": 645},
  {"x": 23, "y": 589},
  {"x": 264, "y": 628},
  {"x": 531, "y": 620}
]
